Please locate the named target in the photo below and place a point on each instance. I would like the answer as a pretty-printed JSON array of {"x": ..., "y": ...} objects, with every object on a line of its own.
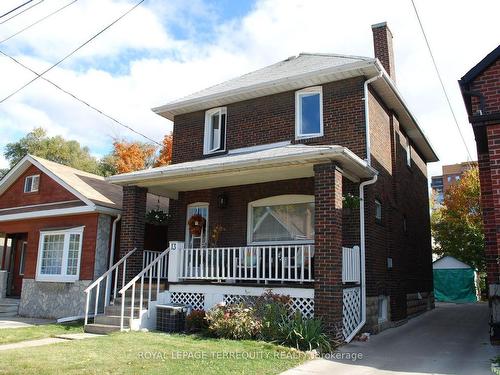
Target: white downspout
[
  {"x": 362, "y": 209},
  {"x": 367, "y": 117},
  {"x": 112, "y": 253}
]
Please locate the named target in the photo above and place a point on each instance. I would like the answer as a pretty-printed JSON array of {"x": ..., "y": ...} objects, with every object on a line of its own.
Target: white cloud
[{"x": 139, "y": 63}]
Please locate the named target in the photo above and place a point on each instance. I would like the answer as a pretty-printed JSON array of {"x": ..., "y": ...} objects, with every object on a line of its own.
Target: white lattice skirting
[
  {"x": 351, "y": 311},
  {"x": 196, "y": 301},
  {"x": 303, "y": 305}
]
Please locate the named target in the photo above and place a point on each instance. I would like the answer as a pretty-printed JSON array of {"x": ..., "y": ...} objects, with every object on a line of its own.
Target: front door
[{"x": 18, "y": 266}]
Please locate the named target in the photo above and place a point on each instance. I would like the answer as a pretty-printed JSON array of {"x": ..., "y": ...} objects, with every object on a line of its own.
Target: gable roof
[
  {"x": 307, "y": 69},
  {"x": 92, "y": 189},
  {"x": 449, "y": 262},
  {"x": 489, "y": 59}
]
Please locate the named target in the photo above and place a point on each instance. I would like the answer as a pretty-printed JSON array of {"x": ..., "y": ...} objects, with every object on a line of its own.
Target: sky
[{"x": 164, "y": 50}]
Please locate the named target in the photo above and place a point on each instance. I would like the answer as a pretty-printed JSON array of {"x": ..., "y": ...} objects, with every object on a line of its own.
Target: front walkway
[
  {"x": 452, "y": 339},
  {"x": 22, "y": 322}
]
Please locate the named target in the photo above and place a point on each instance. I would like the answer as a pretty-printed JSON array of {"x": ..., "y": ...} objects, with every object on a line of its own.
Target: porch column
[
  {"x": 132, "y": 227},
  {"x": 328, "y": 246}
]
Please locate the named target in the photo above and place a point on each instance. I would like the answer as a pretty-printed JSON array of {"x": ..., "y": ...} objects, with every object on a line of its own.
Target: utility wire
[
  {"x": 16, "y": 8},
  {"x": 21, "y": 12},
  {"x": 37, "y": 22},
  {"x": 80, "y": 100},
  {"x": 441, "y": 81},
  {"x": 71, "y": 53}
]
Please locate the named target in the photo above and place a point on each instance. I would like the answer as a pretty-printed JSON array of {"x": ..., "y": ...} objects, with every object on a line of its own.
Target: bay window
[
  {"x": 59, "y": 255},
  {"x": 284, "y": 219}
]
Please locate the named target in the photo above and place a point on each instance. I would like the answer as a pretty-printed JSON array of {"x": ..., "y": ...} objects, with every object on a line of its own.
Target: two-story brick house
[{"x": 281, "y": 159}]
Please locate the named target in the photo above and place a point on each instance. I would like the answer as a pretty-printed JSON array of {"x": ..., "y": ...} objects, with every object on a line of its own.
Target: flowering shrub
[
  {"x": 271, "y": 309},
  {"x": 233, "y": 322},
  {"x": 196, "y": 322}
]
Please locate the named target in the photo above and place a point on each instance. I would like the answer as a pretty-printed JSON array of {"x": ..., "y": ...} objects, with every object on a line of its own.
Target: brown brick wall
[
  {"x": 328, "y": 245},
  {"x": 271, "y": 119},
  {"x": 487, "y": 84},
  {"x": 49, "y": 191},
  {"x": 32, "y": 228},
  {"x": 133, "y": 226}
]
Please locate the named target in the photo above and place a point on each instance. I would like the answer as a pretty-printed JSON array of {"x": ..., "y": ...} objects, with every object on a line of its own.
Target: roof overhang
[
  {"x": 81, "y": 210},
  {"x": 369, "y": 68},
  {"x": 281, "y": 163}
]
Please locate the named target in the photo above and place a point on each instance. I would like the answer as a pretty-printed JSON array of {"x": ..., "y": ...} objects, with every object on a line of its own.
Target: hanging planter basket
[{"x": 196, "y": 224}]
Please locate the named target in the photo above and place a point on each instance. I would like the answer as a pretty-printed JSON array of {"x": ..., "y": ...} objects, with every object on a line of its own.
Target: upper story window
[
  {"x": 309, "y": 113},
  {"x": 408, "y": 151},
  {"x": 378, "y": 210},
  {"x": 215, "y": 130},
  {"x": 59, "y": 255},
  {"x": 31, "y": 183}
]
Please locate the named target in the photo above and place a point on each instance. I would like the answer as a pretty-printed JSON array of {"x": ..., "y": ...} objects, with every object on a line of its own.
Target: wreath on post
[{"x": 196, "y": 224}]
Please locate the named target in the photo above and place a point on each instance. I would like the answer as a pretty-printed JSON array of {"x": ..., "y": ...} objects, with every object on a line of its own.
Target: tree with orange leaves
[
  {"x": 165, "y": 155},
  {"x": 132, "y": 156}
]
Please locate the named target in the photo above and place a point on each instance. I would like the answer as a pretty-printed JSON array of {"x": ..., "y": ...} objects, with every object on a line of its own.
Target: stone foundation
[
  {"x": 418, "y": 303},
  {"x": 3, "y": 284},
  {"x": 53, "y": 300},
  {"x": 372, "y": 323}
]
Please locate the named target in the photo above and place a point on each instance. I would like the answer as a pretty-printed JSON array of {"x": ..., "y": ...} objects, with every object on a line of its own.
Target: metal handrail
[
  {"x": 106, "y": 276},
  {"x": 132, "y": 283}
]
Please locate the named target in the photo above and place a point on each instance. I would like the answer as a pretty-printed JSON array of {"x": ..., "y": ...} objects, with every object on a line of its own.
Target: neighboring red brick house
[
  {"x": 279, "y": 158},
  {"x": 56, "y": 229},
  {"x": 481, "y": 92}
]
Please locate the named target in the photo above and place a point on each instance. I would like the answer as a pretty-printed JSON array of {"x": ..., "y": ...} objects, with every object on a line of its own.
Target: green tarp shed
[{"x": 453, "y": 281}]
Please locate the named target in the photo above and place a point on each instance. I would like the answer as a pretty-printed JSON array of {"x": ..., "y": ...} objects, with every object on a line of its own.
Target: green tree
[
  {"x": 457, "y": 226},
  {"x": 57, "y": 149}
]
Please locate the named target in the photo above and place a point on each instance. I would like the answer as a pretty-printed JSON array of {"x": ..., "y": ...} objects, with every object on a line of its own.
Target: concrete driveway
[{"x": 451, "y": 339}]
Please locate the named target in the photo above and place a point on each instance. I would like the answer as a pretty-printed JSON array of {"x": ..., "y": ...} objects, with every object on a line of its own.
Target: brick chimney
[{"x": 382, "y": 45}]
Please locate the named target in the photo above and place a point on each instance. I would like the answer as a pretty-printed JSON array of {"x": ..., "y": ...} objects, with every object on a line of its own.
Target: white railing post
[
  {"x": 87, "y": 307},
  {"x": 175, "y": 261}
]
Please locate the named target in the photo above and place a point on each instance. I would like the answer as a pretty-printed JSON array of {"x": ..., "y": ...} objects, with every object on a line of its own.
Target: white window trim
[
  {"x": 274, "y": 201},
  {"x": 206, "y": 135},
  {"x": 32, "y": 177},
  {"x": 196, "y": 204},
  {"x": 298, "y": 112},
  {"x": 408, "y": 151},
  {"x": 64, "y": 266},
  {"x": 378, "y": 203}
]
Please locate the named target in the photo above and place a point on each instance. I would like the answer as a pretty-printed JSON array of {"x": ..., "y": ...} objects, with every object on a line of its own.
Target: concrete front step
[
  {"x": 112, "y": 320},
  {"x": 8, "y": 314},
  {"x": 116, "y": 310},
  {"x": 8, "y": 307},
  {"x": 101, "y": 329}
]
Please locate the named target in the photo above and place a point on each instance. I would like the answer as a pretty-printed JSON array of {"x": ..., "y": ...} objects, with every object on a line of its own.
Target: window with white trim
[
  {"x": 283, "y": 219},
  {"x": 309, "y": 113},
  {"x": 31, "y": 183},
  {"x": 378, "y": 210},
  {"x": 408, "y": 151},
  {"x": 215, "y": 130},
  {"x": 59, "y": 255}
]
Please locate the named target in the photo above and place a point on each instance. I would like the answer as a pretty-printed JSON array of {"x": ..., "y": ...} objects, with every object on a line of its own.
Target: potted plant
[
  {"x": 196, "y": 224},
  {"x": 350, "y": 202}
]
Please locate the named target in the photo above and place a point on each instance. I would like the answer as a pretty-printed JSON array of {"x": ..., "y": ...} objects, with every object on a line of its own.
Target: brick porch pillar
[
  {"x": 132, "y": 227},
  {"x": 328, "y": 246}
]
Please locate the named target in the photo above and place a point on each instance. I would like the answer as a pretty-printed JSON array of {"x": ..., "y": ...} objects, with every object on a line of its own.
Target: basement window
[
  {"x": 215, "y": 130},
  {"x": 31, "y": 183},
  {"x": 59, "y": 255},
  {"x": 309, "y": 113},
  {"x": 382, "y": 308}
]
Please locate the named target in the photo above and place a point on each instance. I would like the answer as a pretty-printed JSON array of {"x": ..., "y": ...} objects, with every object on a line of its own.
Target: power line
[
  {"x": 441, "y": 81},
  {"x": 71, "y": 53},
  {"x": 80, "y": 100},
  {"x": 38, "y": 21},
  {"x": 21, "y": 12},
  {"x": 16, "y": 8}
]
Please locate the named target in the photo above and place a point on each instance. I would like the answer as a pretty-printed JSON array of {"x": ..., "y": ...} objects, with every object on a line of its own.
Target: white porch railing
[
  {"x": 148, "y": 257},
  {"x": 145, "y": 274},
  {"x": 287, "y": 263},
  {"x": 351, "y": 264},
  {"x": 107, "y": 278}
]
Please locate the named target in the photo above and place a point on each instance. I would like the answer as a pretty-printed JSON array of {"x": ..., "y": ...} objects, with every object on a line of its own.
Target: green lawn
[
  {"x": 10, "y": 335},
  {"x": 151, "y": 353}
]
